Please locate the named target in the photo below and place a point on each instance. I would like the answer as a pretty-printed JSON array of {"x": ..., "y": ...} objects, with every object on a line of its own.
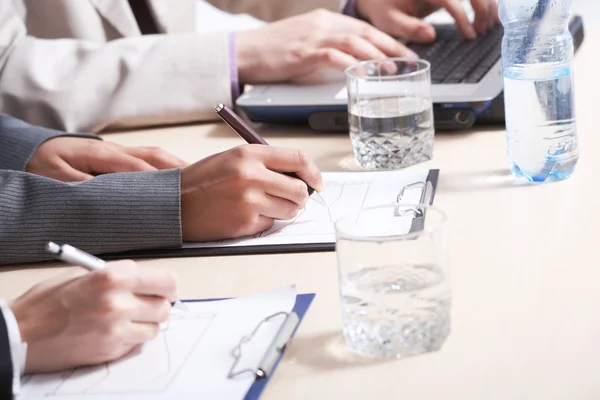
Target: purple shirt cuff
[
  {"x": 233, "y": 71},
  {"x": 350, "y": 9}
]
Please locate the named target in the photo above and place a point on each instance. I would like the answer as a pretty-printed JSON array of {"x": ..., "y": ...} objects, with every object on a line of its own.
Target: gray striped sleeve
[
  {"x": 110, "y": 213},
  {"x": 19, "y": 140}
]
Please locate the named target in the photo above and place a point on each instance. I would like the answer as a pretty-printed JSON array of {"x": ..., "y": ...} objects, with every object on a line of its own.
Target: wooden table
[{"x": 525, "y": 272}]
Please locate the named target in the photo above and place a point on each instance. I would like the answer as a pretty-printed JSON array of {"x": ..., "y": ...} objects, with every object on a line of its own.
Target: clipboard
[
  {"x": 428, "y": 192},
  {"x": 303, "y": 302}
]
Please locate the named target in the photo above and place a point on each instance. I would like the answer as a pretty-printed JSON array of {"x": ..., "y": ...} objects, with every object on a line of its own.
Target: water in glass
[
  {"x": 392, "y": 132},
  {"x": 396, "y": 311}
]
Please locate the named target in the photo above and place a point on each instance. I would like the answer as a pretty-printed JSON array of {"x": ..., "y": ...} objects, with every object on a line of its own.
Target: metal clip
[{"x": 267, "y": 363}]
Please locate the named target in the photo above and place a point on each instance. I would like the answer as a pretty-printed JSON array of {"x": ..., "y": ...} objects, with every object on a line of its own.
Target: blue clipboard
[{"x": 303, "y": 302}]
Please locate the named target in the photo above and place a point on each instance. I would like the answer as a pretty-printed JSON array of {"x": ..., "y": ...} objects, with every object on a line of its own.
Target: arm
[
  {"x": 273, "y": 10},
  {"x": 78, "y": 85},
  {"x": 110, "y": 213}
]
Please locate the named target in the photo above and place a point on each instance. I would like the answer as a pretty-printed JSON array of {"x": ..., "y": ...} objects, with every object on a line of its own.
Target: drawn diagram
[
  {"x": 340, "y": 197},
  {"x": 344, "y": 193},
  {"x": 157, "y": 364}
]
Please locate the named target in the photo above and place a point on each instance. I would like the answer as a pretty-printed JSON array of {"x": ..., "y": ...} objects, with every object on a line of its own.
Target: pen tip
[
  {"x": 219, "y": 107},
  {"x": 53, "y": 248}
]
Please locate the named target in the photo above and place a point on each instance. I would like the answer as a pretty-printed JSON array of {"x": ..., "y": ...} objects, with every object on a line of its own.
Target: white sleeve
[{"x": 18, "y": 349}]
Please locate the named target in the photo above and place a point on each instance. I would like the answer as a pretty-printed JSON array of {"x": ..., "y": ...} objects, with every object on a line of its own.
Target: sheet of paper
[
  {"x": 345, "y": 193},
  {"x": 210, "y": 19},
  {"x": 190, "y": 358}
]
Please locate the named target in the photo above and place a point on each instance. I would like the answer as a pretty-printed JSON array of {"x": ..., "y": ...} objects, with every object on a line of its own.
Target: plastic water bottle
[{"x": 537, "y": 54}]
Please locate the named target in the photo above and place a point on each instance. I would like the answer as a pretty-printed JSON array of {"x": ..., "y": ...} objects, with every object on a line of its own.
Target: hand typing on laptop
[
  {"x": 300, "y": 48},
  {"x": 403, "y": 18}
]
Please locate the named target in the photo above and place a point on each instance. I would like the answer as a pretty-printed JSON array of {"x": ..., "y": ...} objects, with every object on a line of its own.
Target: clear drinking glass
[
  {"x": 394, "y": 280},
  {"x": 390, "y": 112}
]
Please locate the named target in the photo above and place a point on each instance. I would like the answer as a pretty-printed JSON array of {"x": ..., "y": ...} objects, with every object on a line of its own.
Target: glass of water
[
  {"x": 390, "y": 112},
  {"x": 394, "y": 280}
]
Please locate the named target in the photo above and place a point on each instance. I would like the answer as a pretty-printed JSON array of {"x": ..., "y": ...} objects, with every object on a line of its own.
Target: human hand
[
  {"x": 403, "y": 18},
  {"x": 301, "y": 48},
  {"x": 71, "y": 159},
  {"x": 85, "y": 318},
  {"x": 238, "y": 193}
]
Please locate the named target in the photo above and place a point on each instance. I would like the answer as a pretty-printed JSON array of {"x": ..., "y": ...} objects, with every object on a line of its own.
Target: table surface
[{"x": 524, "y": 272}]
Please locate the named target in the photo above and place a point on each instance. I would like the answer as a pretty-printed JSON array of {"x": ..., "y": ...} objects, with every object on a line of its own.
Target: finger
[
  {"x": 355, "y": 46},
  {"x": 290, "y": 160},
  {"x": 156, "y": 157},
  {"x": 64, "y": 172},
  {"x": 495, "y": 14},
  {"x": 384, "y": 42},
  {"x": 155, "y": 282},
  {"x": 255, "y": 224},
  {"x": 331, "y": 58},
  {"x": 151, "y": 309},
  {"x": 483, "y": 15},
  {"x": 410, "y": 28},
  {"x": 263, "y": 223},
  {"x": 140, "y": 332},
  {"x": 286, "y": 187},
  {"x": 456, "y": 9},
  {"x": 278, "y": 208},
  {"x": 109, "y": 160}
]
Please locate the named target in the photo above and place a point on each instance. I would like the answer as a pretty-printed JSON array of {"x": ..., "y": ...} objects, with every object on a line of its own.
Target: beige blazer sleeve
[
  {"x": 272, "y": 10},
  {"x": 84, "y": 85}
]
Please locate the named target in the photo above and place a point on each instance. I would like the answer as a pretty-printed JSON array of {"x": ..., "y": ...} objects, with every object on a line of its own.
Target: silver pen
[{"x": 72, "y": 255}]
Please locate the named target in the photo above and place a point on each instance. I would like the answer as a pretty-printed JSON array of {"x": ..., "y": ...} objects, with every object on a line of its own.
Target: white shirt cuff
[{"x": 18, "y": 349}]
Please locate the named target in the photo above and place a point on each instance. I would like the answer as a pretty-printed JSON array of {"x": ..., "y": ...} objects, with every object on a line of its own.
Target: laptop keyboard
[{"x": 456, "y": 60}]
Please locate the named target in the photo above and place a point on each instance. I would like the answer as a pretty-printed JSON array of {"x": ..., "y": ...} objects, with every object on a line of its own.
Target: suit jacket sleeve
[
  {"x": 272, "y": 10},
  {"x": 77, "y": 85},
  {"x": 110, "y": 213},
  {"x": 113, "y": 212},
  {"x": 19, "y": 140},
  {"x": 6, "y": 366}
]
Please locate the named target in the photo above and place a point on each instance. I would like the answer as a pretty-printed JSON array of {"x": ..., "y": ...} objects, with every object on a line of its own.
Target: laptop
[{"x": 466, "y": 86}]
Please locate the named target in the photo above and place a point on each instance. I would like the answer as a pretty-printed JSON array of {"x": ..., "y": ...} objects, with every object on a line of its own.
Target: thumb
[{"x": 410, "y": 28}]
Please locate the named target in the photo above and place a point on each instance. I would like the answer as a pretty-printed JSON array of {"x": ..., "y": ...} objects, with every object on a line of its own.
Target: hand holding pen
[
  {"x": 252, "y": 137},
  {"x": 80, "y": 318},
  {"x": 74, "y": 256}
]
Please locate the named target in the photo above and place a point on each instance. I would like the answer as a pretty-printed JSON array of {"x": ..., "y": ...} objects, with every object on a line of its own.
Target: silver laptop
[{"x": 466, "y": 86}]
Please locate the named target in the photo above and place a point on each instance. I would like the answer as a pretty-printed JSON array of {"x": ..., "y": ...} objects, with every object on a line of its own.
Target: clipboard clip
[
  {"x": 426, "y": 198},
  {"x": 275, "y": 349}
]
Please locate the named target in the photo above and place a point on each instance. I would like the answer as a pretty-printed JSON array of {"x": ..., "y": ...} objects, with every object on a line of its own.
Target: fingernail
[{"x": 320, "y": 187}]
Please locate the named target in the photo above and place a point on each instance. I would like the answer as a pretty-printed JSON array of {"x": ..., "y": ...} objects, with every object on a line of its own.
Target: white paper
[
  {"x": 190, "y": 358},
  {"x": 345, "y": 193},
  {"x": 210, "y": 19}
]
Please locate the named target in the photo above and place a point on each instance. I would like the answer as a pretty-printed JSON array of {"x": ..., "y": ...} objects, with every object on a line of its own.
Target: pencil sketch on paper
[
  {"x": 344, "y": 193},
  {"x": 150, "y": 369},
  {"x": 317, "y": 219}
]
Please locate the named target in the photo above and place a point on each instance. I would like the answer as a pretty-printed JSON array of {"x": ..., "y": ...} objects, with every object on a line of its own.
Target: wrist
[
  {"x": 27, "y": 331},
  {"x": 356, "y": 9},
  {"x": 246, "y": 57}
]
